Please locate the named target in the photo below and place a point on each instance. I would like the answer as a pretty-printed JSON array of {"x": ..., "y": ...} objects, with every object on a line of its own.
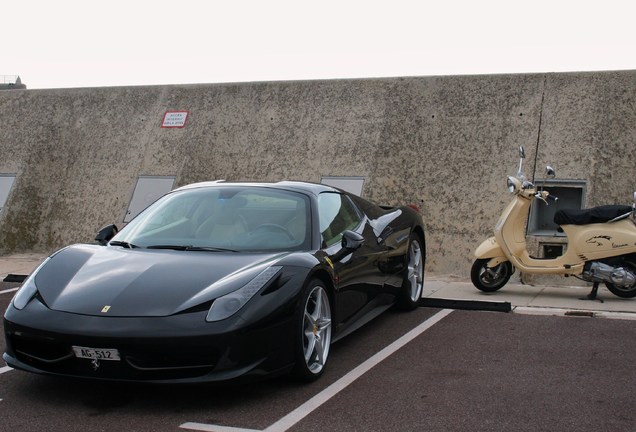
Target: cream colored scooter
[{"x": 601, "y": 243}]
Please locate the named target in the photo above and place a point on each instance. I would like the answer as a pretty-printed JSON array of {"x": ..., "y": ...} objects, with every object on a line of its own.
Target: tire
[
  {"x": 313, "y": 327},
  {"x": 490, "y": 280},
  {"x": 413, "y": 283},
  {"x": 620, "y": 291}
]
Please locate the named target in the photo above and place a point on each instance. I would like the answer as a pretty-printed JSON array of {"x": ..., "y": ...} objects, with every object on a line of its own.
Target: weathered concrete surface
[{"x": 446, "y": 143}]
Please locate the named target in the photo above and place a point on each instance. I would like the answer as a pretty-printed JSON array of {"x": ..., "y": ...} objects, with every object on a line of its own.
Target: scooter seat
[{"x": 592, "y": 215}]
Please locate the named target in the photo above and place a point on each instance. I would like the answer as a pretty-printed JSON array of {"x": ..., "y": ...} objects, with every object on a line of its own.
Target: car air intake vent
[
  {"x": 203, "y": 307},
  {"x": 275, "y": 284}
]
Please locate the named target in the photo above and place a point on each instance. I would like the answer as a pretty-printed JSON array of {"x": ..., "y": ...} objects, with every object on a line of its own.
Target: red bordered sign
[{"x": 174, "y": 119}]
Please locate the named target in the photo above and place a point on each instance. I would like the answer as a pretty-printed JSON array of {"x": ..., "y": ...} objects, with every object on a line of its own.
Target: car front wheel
[{"x": 313, "y": 325}]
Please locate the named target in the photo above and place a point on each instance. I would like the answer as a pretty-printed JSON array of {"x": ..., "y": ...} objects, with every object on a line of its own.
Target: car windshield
[{"x": 223, "y": 218}]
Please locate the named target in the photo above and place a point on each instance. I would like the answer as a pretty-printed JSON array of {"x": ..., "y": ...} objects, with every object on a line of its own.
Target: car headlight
[
  {"x": 227, "y": 305},
  {"x": 28, "y": 290}
]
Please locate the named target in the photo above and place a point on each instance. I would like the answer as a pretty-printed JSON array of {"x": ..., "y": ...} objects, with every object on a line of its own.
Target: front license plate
[{"x": 96, "y": 353}]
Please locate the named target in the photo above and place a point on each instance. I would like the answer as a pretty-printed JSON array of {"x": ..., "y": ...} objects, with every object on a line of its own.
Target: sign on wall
[{"x": 174, "y": 119}]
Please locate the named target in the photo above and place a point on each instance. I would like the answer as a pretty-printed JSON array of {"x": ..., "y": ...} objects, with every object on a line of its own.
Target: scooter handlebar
[{"x": 544, "y": 196}]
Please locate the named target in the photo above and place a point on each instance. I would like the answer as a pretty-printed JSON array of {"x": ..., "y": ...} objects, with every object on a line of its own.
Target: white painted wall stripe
[{"x": 315, "y": 402}]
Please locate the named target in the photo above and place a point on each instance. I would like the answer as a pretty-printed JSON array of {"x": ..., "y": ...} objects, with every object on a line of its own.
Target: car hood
[{"x": 119, "y": 282}]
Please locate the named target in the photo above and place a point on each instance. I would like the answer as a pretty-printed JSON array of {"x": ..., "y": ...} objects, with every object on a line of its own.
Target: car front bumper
[{"x": 181, "y": 348}]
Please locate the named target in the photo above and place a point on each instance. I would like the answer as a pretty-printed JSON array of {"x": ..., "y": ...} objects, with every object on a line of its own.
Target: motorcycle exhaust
[{"x": 599, "y": 272}]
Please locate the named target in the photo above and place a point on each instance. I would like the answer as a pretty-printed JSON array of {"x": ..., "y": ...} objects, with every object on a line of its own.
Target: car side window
[{"x": 336, "y": 214}]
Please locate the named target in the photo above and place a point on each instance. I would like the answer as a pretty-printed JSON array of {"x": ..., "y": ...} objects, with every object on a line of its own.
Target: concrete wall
[{"x": 444, "y": 142}]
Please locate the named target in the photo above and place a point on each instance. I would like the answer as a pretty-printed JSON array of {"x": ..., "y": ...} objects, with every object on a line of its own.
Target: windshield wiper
[
  {"x": 191, "y": 248},
  {"x": 210, "y": 249},
  {"x": 123, "y": 244},
  {"x": 175, "y": 247}
]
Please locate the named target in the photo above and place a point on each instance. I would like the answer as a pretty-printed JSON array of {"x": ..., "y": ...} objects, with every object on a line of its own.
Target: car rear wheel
[
  {"x": 413, "y": 283},
  {"x": 314, "y": 332}
]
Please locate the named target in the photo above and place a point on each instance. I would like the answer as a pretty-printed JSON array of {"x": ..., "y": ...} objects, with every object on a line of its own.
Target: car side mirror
[
  {"x": 106, "y": 233},
  {"x": 522, "y": 152},
  {"x": 351, "y": 240}
]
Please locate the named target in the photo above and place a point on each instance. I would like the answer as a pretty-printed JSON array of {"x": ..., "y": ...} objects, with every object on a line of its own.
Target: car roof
[{"x": 306, "y": 187}]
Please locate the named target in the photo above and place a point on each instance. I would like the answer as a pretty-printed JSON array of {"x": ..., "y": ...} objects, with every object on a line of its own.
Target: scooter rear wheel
[
  {"x": 624, "y": 291},
  {"x": 490, "y": 279}
]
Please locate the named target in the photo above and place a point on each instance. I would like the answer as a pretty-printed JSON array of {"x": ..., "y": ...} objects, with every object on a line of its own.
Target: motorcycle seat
[{"x": 592, "y": 215}]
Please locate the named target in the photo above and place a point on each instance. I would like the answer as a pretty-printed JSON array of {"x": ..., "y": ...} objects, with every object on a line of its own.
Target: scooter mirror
[
  {"x": 549, "y": 171},
  {"x": 522, "y": 152}
]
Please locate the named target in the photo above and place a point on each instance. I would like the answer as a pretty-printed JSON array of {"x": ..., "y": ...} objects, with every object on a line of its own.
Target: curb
[{"x": 530, "y": 310}]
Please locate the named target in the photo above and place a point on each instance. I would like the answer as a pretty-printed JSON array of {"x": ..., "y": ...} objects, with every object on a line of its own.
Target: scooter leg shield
[{"x": 490, "y": 249}]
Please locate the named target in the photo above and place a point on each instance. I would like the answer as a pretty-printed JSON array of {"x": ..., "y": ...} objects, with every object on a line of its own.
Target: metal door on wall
[
  {"x": 350, "y": 184},
  {"x": 6, "y": 183},
  {"x": 147, "y": 190}
]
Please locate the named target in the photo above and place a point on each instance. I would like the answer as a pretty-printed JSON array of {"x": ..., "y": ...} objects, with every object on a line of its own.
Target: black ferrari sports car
[{"x": 216, "y": 281}]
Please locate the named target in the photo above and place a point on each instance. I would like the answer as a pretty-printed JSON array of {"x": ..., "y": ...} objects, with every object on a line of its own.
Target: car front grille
[{"x": 145, "y": 361}]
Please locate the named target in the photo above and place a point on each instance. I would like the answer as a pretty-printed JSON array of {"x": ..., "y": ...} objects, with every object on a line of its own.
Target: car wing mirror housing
[
  {"x": 106, "y": 233},
  {"x": 350, "y": 242}
]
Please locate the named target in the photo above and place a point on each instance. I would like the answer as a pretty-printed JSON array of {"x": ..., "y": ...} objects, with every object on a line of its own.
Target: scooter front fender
[{"x": 490, "y": 249}]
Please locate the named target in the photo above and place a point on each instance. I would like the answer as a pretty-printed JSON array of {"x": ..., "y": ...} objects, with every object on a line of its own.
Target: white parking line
[
  {"x": 315, "y": 402},
  {"x": 9, "y": 290},
  {"x": 3, "y": 370},
  {"x": 214, "y": 428}
]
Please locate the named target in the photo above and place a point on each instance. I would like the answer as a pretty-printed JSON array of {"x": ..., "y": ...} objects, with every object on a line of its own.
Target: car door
[{"x": 359, "y": 276}]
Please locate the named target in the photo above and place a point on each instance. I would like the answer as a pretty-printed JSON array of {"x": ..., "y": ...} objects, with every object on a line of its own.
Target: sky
[{"x": 69, "y": 43}]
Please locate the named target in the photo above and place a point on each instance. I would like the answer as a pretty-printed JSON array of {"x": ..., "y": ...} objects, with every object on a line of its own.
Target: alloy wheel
[
  {"x": 415, "y": 274},
  {"x": 316, "y": 329}
]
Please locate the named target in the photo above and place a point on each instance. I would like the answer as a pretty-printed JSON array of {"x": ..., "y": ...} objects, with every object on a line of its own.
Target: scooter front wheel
[{"x": 490, "y": 279}]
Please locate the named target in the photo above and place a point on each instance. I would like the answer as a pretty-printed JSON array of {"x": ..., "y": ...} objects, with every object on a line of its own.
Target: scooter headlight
[{"x": 512, "y": 184}]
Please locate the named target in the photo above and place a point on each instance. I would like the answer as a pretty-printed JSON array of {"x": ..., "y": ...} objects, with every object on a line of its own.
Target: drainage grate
[{"x": 580, "y": 314}]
